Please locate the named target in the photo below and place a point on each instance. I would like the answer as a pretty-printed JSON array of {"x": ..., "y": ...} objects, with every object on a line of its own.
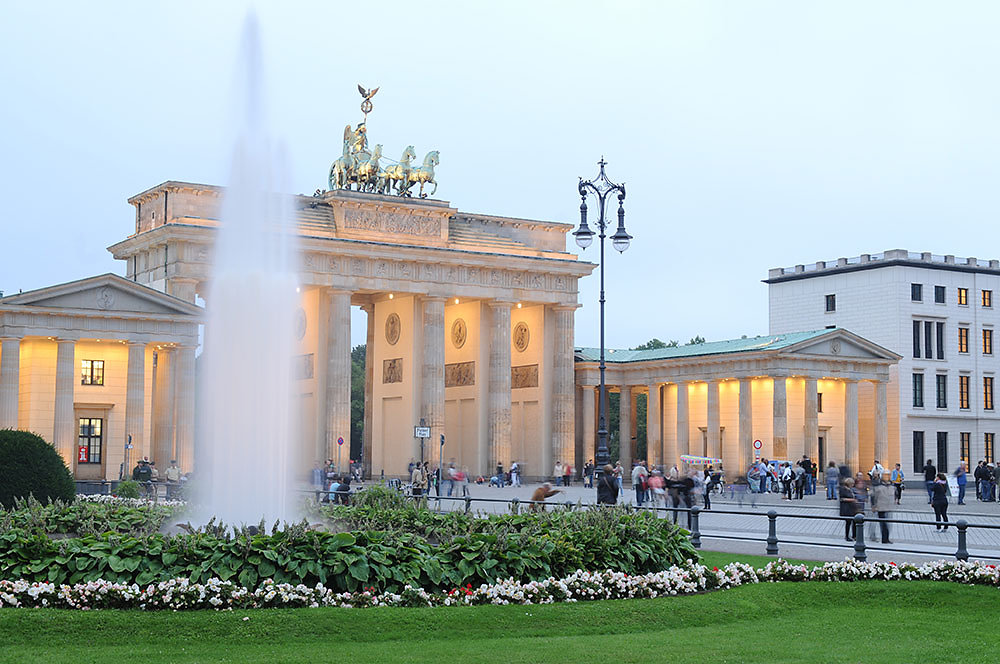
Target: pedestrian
[
  {"x": 657, "y": 489},
  {"x": 539, "y": 496},
  {"x": 939, "y": 500},
  {"x": 463, "y": 480},
  {"x": 501, "y": 477},
  {"x": 992, "y": 480},
  {"x": 877, "y": 470},
  {"x": 515, "y": 474},
  {"x": 687, "y": 491},
  {"x": 588, "y": 474},
  {"x": 930, "y": 472},
  {"x": 712, "y": 479},
  {"x": 882, "y": 500},
  {"x": 848, "y": 508},
  {"x": 962, "y": 479},
  {"x": 896, "y": 477},
  {"x": 568, "y": 474},
  {"x": 557, "y": 472},
  {"x": 832, "y": 479},
  {"x": 977, "y": 474},
  {"x": 787, "y": 477},
  {"x": 607, "y": 487},
  {"x": 452, "y": 476},
  {"x": 800, "y": 480},
  {"x": 173, "y": 475},
  {"x": 639, "y": 477},
  {"x": 619, "y": 473},
  {"x": 417, "y": 482}
]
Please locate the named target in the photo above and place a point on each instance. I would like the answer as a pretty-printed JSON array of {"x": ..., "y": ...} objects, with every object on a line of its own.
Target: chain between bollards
[
  {"x": 963, "y": 551},
  {"x": 695, "y": 533},
  {"x": 772, "y": 533},
  {"x": 859, "y": 538}
]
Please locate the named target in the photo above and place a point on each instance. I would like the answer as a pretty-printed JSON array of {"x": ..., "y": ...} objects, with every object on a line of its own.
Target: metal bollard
[
  {"x": 963, "y": 551},
  {"x": 859, "y": 538},
  {"x": 772, "y": 533},
  {"x": 569, "y": 505},
  {"x": 468, "y": 504},
  {"x": 514, "y": 505},
  {"x": 695, "y": 533}
]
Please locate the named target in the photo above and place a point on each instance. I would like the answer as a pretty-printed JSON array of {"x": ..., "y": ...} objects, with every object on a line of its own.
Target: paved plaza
[{"x": 817, "y": 539}]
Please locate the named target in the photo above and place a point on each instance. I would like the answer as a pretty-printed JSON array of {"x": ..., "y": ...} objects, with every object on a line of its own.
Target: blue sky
[{"x": 750, "y": 134}]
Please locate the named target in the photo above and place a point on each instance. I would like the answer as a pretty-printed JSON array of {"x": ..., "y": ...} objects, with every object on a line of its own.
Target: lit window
[
  {"x": 917, "y": 292},
  {"x": 987, "y": 341},
  {"x": 92, "y": 372},
  {"x": 963, "y": 392},
  {"x": 939, "y": 294},
  {"x": 987, "y": 298},
  {"x": 963, "y": 297},
  {"x": 819, "y": 402},
  {"x": 831, "y": 302},
  {"x": 89, "y": 440},
  {"x": 988, "y": 393},
  {"x": 963, "y": 451},
  {"x": 918, "y": 390},
  {"x": 988, "y": 440},
  {"x": 963, "y": 340}
]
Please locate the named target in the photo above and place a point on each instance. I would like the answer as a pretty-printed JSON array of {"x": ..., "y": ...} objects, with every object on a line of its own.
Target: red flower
[{"x": 715, "y": 569}]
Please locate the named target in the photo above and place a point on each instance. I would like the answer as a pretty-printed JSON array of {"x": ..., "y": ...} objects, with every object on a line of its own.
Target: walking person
[
  {"x": 800, "y": 480},
  {"x": 807, "y": 467},
  {"x": 639, "y": 477},
  {"x": 463, "y": 480},
  {"x": 787, "y": 477},
  {"x": 515, "y": 474},
  {"x": 539, "y": 496},
  {"x": 848, "y": 508},
  {"x": 557, "y": 472},
  {"x": 832, "y": 479},
  {"x": 882, "y": 500},
  {"x": 939, "y": 500},
  {"x": 588, "y": 474},
  {"x": 657, "y": 489},
  {"x": 896, "y": 477},
  {"x": 607, "y": 487},
  {"x": 568, "y": 473},
  {"x": 619, "y": 472},
  {"x": 930, "y": 472},
  {"x": 962, "y": 477}
]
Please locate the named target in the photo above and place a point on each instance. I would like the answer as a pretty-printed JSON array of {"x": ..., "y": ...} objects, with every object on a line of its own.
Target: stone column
[
  {"x": 654, "y": 436},
  {"x": 746, "y": 427},
  {"x": 10, "y": 377},
  {"x": 851, "y": 451},
  {"x": 563, "y": 384},
  {"x": 64, "y": 426},
  {"x": 338, "y": 375},
  {"x": 811, "y": 446},
  {"x": 163, "y": 407},
  {"x": 779, "y": 444},
  {"x": 432, "y": 375},
  {"x": 881, "y": 422},
  {"x": 589, "y": 426},
  {"x": 183, "y": 288},
  {"x": 498, "y": 417},
  {"x": 135, "y": 403},
  {"x": 712, "y": 420},
  {"x": 625, "y": 427},
  {"x": 184, "y": 422},
  {"x": 366, "y": 436},
  {"x": 683, "y": 425}
]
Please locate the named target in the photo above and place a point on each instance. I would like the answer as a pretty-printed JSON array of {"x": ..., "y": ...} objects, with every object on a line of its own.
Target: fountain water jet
[{"x": 247, "y": 458}]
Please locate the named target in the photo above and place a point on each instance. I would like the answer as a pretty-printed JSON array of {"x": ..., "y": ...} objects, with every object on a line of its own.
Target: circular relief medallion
[
  {"x": 300, "y": 323},
  {"x": 521, "y": 337},
  {"x": 105, "y": 298},
  {"x": 835, "y": 347},
  {"x": 392, "y": 329},
  {"x": 459, "y": 332}
]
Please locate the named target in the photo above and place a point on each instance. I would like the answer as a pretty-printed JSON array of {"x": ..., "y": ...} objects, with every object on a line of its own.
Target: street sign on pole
[{"x": 421, "y": 432}]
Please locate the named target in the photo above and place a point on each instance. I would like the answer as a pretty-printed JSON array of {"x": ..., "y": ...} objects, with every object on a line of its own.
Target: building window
[
  {"x": 92, "y": 372},
  {"x": 963, "y": 392},
  {"x": 987, "y": 298},
  {"x": 942, "y": 451},
  {"x": 942, "y": 390},
  {"x": 963, "y": 297},
  {"x": 987, "y": 392},
  {"x": 987, "y": 341},
  {"x": 831, "y": 302},
  {"x": 917, "y": 292},
  {"x": 963, "y": 340},
  {"x": 819, "y": 402},
  {"x": 918, "y": 451},
  {"x": 916, "y": 338},
  {"x": 929, "y": 340},
  {"x": 988, "y": 439},
  {"x": 940, "y": 340},
  {"x": 939, "y": 294},
  {"x": 918, "y": 390},
  {"x": 89, "y": 441},
  {"x": 963, "y": 447}
]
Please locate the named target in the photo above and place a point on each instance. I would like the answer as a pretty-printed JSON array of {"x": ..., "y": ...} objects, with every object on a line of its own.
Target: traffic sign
[
  {"x": 340, "y": 441},
  {"x": 421, "y": 432},
  {"x": 757, "y": 444}
]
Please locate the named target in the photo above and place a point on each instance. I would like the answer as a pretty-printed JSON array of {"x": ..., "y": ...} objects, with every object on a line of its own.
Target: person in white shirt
[
  {"x": 639, "y": 475},
  {"x": 877, "y": 471},
  {"x": 558, "y": 472}
]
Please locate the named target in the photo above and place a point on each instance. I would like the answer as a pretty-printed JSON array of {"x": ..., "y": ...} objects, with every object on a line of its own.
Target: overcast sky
[{"x": 750, "y": 134}]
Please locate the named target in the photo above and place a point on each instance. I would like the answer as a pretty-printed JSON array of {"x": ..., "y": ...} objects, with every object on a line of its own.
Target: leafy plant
[
  {"x": 29, "y": 466},
  {"x": 127, "y": 489}
]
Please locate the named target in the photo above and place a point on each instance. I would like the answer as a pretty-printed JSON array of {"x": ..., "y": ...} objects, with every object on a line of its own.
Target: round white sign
[{"x": 757, "y": 444}]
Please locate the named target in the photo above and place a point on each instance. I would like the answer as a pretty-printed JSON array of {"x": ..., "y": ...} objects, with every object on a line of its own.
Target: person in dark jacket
[
  {"x": 930, "y": 472},
  {"x": 939, "y": 500},
  {"x": 607, "y": 487},
  {"x": 848, "y": 507}
]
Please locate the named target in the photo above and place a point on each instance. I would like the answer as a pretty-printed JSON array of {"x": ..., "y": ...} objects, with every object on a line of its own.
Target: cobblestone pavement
[{"x": 821, "y": 539}]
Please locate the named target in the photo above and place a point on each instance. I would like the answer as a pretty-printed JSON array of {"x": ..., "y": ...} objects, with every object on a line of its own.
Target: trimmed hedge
[{"x": 29, "y": 466}]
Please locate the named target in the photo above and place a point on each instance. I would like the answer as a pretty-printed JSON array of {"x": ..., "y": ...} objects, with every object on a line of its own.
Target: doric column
[
  {"x": 563, "y": 384},
  {"x": 683, "y": 425},
  {"x": 498, "y": 416},
  {"x": 881, "y": 422},
  {"x": 163, "y": 407},
  {"x": 338, "y": 374},
  {"x": 746, "y": 427},
  {"x": 712, "y": 420},
  {"x": 366, "y": 437},
  {"x": 654, "y": 436},
  {"x": 811, "y": 443},
  {"x": 589, "y": 419},
  {"x": 851, "y": 452},
  {"x": 432, "y": 373},
  {"x": 135, "y": 402},
  {"x": 183, "y": 288},
  {"x": 625, "y": 427},
  {"x": 63, "y": 426},
  {"x": 779, "y": 444},
  {"x": 184, "y": 424},
  {"x": 10, "y": 379}
]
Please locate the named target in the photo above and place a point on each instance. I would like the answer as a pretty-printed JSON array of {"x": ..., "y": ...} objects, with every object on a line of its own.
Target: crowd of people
[{"x": 148, "y": 476}]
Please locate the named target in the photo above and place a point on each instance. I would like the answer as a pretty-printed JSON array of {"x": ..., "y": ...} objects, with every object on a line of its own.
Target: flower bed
[
  {"x": 105, "y": 499},
  {"x": 181, "y": 594}
]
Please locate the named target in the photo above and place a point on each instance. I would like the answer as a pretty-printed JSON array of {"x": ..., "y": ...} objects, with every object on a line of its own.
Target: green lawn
[{"x": 786, "y": 622}]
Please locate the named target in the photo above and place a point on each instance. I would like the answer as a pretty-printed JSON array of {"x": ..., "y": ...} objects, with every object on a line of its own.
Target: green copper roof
[{"x": 750, "y": 344}]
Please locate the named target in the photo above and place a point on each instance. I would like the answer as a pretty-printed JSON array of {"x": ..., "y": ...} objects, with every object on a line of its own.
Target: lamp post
[{"x": 602, "y": 188}]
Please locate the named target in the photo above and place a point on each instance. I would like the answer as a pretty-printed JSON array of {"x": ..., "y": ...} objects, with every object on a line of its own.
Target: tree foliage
[{"x": 29, "y": 466}]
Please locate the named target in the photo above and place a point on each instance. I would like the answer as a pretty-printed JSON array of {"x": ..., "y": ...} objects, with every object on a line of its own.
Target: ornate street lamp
[{"x": 602, "y": 187}]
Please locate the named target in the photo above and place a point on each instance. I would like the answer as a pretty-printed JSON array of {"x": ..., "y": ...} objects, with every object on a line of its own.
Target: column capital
[
  {"x": 433, "y": 298},
  {"x": 565, "y": 307},
  {"x": 500, "y": 304}
]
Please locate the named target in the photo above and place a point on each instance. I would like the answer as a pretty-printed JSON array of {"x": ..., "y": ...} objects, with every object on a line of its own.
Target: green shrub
[
  {"x": 82, "y": 518},
  {"x": 127, "y": 489},
  {"x": 29, "y": 466},
  {"x": 379, "y": 498}
]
